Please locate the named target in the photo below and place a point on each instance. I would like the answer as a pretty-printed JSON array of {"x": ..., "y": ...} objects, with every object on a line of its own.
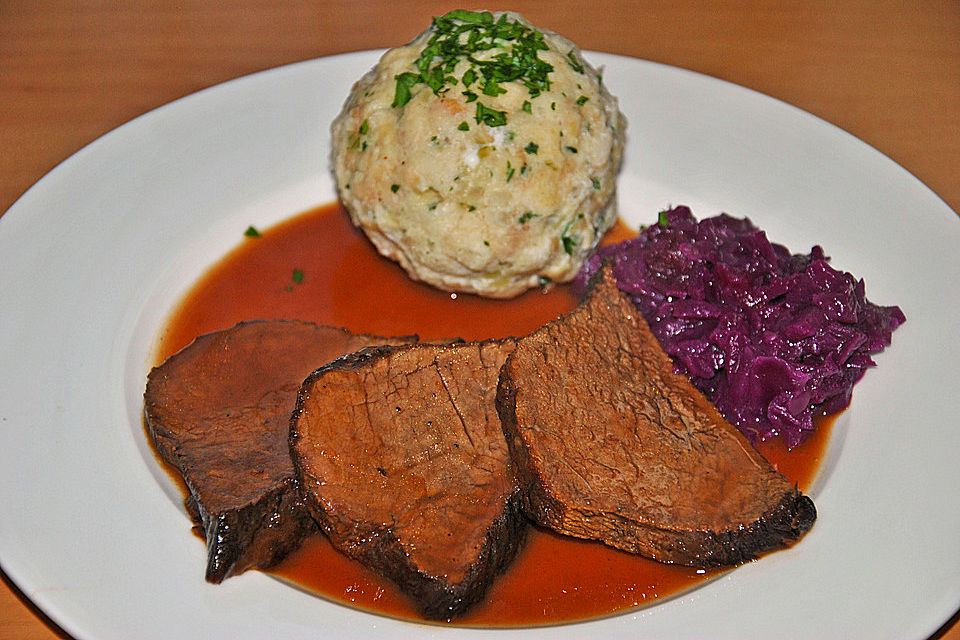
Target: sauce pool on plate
[{"x": 318, "y": 267}]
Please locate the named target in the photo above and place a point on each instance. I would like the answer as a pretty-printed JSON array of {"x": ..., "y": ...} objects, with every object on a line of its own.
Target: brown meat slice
[
  {"x": 219, "y": 412},
  {"x": 402, "y": 461},
  {"x": 612, "y": 445}
]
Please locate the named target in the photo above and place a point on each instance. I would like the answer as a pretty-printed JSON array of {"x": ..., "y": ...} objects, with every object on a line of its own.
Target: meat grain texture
[
  {"x": 477, "y": 184},
  {"x": 403, "y": 463},
  {"x": 612, "y": 445},
  {"x": 219, "y": 413}
]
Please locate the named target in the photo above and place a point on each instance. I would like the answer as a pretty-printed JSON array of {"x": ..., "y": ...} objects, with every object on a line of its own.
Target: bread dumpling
[{"x": 482, "y": 156}]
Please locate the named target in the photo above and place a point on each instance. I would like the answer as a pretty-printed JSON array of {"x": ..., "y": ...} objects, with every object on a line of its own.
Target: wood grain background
[{"x": 886, "y": 71}]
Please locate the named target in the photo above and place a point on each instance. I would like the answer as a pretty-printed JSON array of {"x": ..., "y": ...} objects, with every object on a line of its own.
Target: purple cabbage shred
[{"x": 771, "y": 338}]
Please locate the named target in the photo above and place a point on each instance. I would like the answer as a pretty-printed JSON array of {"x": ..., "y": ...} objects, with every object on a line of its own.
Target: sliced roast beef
[
  {"x": 403, "y": 462},
  {"x": 612, "y": 445},
  {"x": 219, "y": 412}
]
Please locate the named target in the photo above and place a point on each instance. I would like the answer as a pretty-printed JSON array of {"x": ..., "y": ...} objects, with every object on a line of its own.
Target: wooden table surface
[{"x": 886, "y": 71}]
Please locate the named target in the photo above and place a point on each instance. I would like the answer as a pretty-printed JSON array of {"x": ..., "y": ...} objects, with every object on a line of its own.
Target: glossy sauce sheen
[{"x": 318, "y": 267}]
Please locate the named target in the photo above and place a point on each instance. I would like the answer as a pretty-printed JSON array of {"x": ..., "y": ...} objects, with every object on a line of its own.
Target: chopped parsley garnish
[
  {"x": 582, "y": 100},
  {"x": 464, "y": 126},
  {"x": 364, "y": 127},
  {"x": 526, "y": 217},
  {"x": 574, "y": 62},
  {"x": 459, "y": 36},
  {"x": 596, "y": 183},
  {"x": 533, "y": 147},
  {"x": 492, "y": 88},
  {"x": 510, "y": 171},
  {"x": 569, "y": 242},
  {"x": 394, "y": 188},
  {"x": 490, "y": 117},
  {"x": 251, "y": 232},
  {"x": 663, "y": 220},
  {"x": 297, "y": 276},
  {"x": 527, "y": 107},
  {"x": 401, "y": 95},
  {"x": 570, "y": 149}
]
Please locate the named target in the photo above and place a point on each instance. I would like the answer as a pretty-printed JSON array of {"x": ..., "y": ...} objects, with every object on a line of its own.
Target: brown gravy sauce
[{"x": 318, "y": 267}]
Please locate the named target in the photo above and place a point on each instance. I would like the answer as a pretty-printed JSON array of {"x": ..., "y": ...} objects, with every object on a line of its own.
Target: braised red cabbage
[{"x": 772, "y": 338}]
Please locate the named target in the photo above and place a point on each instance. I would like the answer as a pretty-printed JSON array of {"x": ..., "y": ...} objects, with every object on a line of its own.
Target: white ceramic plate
[{"x": 94, "y": 256}]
